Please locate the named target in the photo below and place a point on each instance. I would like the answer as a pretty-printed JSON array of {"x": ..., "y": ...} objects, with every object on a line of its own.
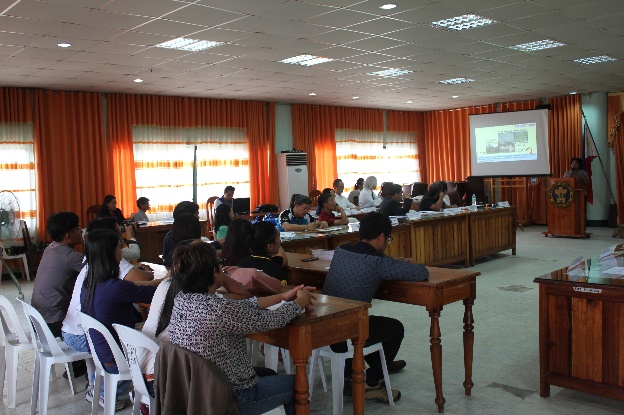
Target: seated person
[
  {"x": 157, "y": 324},
  {"x": 367, "y": 196},
  {"x": 58, "y": 270},
  {"x": 355, "y": 273},
  {"x": 227, "y": 198},
  {"x": 109, "y": 208},
  {"x": 318, "y": 206},
  {"x": 328, "y": 205},
  {"x": 391, "y": 205},
  {"x": 359, "y": 185},
  {"x": 342, "y": 201},
  {"x": 434, "y": 198},
  {"x": 131, "y": 249},
  {"x": 144, "y": 206},
  {"x": 223, "y": 217},
  {"x": 236, "y": 244},
  {"x": 297, "y": 218},
  {"x": 107, "y": 298},
  {"x": 386, "y": 188},
  {"x": 266, "y": 251},
  {"x": 184, "y": 227},
  {"x": 180, "y": 209},
  {"x": 216, "y": 328}
]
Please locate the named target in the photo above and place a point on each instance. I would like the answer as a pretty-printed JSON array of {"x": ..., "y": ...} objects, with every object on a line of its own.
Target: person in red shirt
[{"x": 328, "y": 205}]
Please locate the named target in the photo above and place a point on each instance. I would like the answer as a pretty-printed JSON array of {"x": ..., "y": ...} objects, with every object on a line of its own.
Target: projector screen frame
[{"x": 508, "y": 126}]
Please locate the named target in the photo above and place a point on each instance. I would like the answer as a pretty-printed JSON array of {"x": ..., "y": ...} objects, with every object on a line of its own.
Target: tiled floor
[{"x": 506, "y": 360}]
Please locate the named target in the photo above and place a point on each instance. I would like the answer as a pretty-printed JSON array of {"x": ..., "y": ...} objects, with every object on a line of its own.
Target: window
[
  {"x": 362, "y": 154},
  {"x": 164, "y": 165},
  {"x": 17, "y": 171}
]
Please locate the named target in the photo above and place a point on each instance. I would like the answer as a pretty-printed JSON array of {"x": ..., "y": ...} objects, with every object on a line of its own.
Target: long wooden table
[
  {"x": 330, "y": 320},
  {"x": 581, "y": 328},
  {"x": 445, "y": 286},
  {"x": 434, "y": 241}
]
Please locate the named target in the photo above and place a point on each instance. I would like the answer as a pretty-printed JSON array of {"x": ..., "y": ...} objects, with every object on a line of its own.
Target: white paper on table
[
  {"x": 278, "y": 305},
  {"x": 608, "y": 251},
  {"x": 575, "y": 263},
  {"x": 287, "y": 234},
  {"x": 324, "y": 254},
  {"x": 614, "y": 271}
]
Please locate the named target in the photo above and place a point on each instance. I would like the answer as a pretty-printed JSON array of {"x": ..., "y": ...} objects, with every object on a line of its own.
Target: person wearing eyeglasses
[
  {"x": 297, "y": 217},
  {"x": 355, "y": 273}
]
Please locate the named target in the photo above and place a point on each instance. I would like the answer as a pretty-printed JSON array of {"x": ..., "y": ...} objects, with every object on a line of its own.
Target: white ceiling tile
[
  {"x": 32, "y": 9},
  {"x": 168, "y": 28},
  {"x": 202, "y": 16},
  {"x": 141, "y": 7},
  {"x": 340, "y": 18},
  {"x": 15, "y": 39},
  {"x": 138, "y": 38},
  {"x": 51, "y": 54},
  {"x": 374, "y": 44},
  {"x": 380, "y": 26},
  {"x": 596, "y": 9},
  {"x": 115, "y": 48},
  {"x": 29, "y": 62},
  {"x": 339, "y": 37},
  {"x": 514, "y": 11},
  {"x": 13, "y": 70},
  {"x": 295, "y": 11},
  {"x": 28, "y": 26},
  {"x": 78, "y": 31},
  {"x": 92, "y": 57},
  {"x": 428, "y": 14}
]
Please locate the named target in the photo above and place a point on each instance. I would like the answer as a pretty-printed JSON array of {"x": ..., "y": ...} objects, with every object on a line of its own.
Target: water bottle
[{"x": 474, "y": 200}]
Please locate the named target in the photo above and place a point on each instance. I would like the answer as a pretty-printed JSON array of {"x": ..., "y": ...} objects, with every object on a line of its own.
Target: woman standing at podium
[{"x": 576, "y": 172}]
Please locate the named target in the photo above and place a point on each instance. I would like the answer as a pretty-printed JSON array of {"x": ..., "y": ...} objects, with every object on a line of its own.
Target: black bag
[{"x": 266, "y": 208}]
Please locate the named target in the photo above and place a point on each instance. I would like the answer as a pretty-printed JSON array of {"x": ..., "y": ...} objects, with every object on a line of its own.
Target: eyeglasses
[{"x": 389, "y": 240}]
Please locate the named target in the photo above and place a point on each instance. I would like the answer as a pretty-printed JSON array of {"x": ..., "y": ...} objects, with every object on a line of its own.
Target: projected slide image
[{"x": 506, "y": 143}]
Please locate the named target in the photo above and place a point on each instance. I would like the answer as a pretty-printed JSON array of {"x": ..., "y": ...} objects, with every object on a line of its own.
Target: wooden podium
[{"x": 566, "y": 208}]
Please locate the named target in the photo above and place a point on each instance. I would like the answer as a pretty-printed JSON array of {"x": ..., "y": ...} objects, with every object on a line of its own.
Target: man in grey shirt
[{"x": 58, "y": 270}]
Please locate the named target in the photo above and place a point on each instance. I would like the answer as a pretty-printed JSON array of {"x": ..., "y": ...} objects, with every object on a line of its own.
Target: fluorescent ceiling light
[
  {"x": 455, "y": 81},
  {"x": 390, "y": 73},
  {"x": 455, "y": 96},
  {"x": 355, "y": 97},
  {"x": 191, "y": 45},
  {"x": 573, "y": 93},
  {"x": 388, "y": 6},
  {"x": 306, "y": 60},
  {"x": 594, "y": 59},
  {"x": 64, "y": 45},
  {"x": 138, "y": 80},
  {"x": 466, "y": 21},
  {"x": 312, "y": 94},
  {"x": 409, "y": 102},
  {"x": 539, "y": 45}
]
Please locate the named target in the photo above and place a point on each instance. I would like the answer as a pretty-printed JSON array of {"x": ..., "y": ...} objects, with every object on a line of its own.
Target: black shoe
[
  {"x": 396, "y": 366},
  {"x": 80, "y": 369}
]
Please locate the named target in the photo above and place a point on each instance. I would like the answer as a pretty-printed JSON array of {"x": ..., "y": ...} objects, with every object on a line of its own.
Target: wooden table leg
[
  {"x": 358, "y": 376},
  {"x": 302, "y": 388},
  {"x": 436, "y": 357},
  {"x": 468, "y": 344}
]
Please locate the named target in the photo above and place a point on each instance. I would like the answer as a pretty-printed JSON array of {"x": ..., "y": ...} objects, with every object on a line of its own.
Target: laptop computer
[{"x": 241, "y": 205}]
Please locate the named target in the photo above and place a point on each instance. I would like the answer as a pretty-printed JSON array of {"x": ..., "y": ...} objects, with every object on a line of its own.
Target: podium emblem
[
  {"x": 561, "y": 194},
  {"x": 534, "y": 180}
]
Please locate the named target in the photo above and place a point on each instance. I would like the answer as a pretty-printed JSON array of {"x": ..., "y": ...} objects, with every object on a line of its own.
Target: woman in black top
[
  {"x": 109, "y": 208},
  {"x": 266, "y": 252}
]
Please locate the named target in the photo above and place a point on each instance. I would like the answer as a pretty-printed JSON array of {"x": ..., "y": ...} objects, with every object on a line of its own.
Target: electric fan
[{"x": 10, "y": 229}]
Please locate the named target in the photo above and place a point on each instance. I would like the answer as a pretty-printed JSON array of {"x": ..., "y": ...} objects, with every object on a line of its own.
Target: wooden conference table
[
  {"x": 151, "y": 237},
  {"x": 445, "y": 286},
  {"x": 432, "y": 241},
  {"x": 581, "y": 326}
]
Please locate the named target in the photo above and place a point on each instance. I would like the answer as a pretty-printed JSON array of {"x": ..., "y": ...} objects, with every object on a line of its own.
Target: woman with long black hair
[
  {"x": 265, "y": 250},
  {"x": 109, "y": 208},
  {"x": 104, "y": 296}
]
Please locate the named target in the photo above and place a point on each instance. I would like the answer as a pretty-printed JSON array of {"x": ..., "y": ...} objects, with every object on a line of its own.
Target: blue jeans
[
  {"x": 79, "y": 343},
  {"x": 269, "y": 392}
]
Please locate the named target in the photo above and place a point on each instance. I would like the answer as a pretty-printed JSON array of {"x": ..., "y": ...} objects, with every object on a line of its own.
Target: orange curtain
[
  {"x": 564, "y": 132},
  {"x": 71, "y": 156},
  {"x": 314, "y": 131},
  {"x": 15, "y": 105},
  {"x": 411, "y": 122},
  {"x": 124, "y": 111},
  {"x": 616, "y": 134}
]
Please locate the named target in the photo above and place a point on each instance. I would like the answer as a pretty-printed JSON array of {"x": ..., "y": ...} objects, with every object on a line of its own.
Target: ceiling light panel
[
  {"x": 594, "y": 59},
  {"x": 306, "y": 60},
  {"x": 456, "y": 81},
  {"x": 391, "y": 73},
  {"x": 539, "y": 45},
  {"x": 191, "y": 45},
  {"x": 466, "y": 21}
]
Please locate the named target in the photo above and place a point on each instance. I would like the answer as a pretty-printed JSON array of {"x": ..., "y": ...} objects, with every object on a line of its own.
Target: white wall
[{"x": 283, "y": 128}]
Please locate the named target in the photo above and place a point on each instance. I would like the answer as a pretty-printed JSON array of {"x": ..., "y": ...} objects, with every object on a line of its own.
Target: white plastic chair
[
  {"x": 337, "y": 368},
  {"x": 13, "y": 339},
  {"x": 110, "y": 379},
  {"x": 20, "y": 256},
  {"x": 130, "y": 340},
  {"x": 48, "y": 351}
]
